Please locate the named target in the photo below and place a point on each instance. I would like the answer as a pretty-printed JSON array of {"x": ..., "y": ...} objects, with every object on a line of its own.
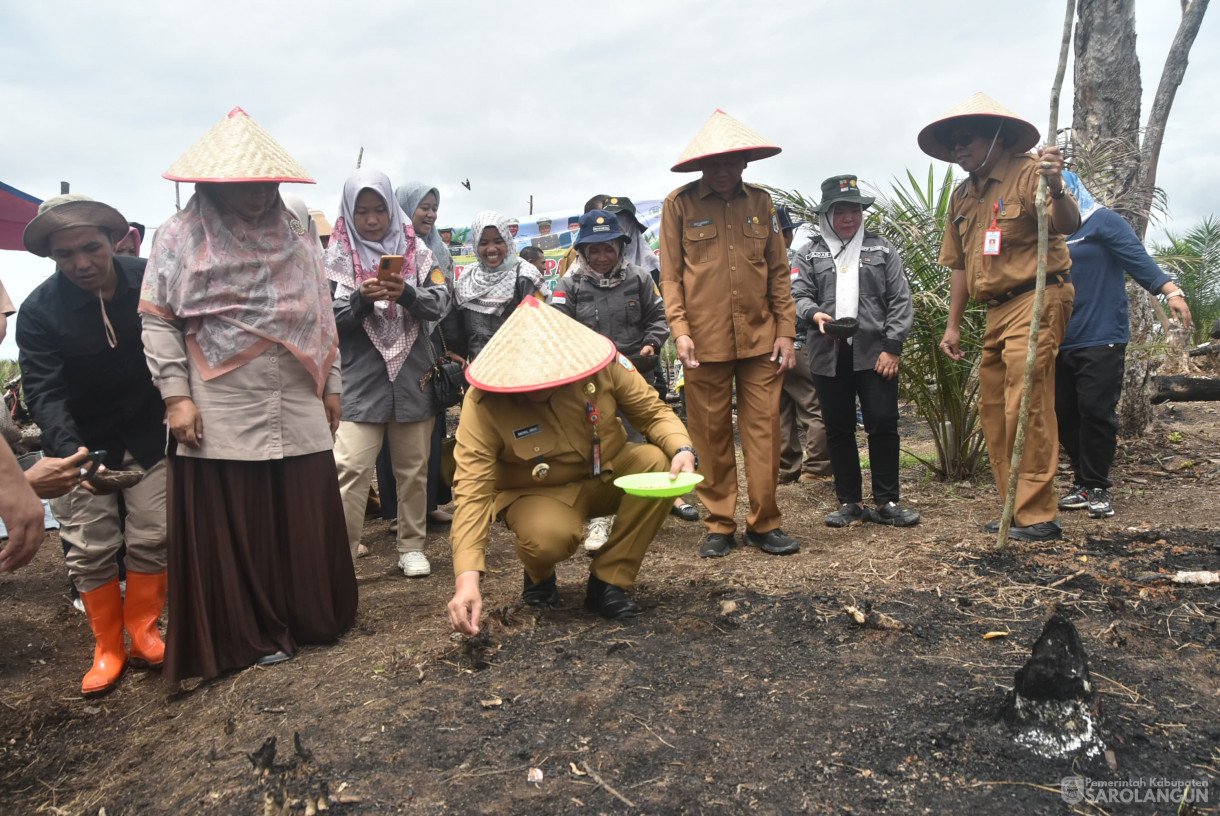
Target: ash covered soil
[{"x": 744, "y": 687}]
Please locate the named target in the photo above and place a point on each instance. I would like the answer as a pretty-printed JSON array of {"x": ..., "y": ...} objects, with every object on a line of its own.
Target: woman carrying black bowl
[{"x": 851, "y": 287}]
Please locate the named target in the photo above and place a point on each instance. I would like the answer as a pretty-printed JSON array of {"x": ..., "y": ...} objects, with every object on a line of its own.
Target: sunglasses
[{"x": 963, "y": 139}]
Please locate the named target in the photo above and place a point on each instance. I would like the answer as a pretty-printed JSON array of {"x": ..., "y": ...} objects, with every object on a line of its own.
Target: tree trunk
[
  {"x": 1107, "y": 82},
  {"x": 1107, "y": 106}
]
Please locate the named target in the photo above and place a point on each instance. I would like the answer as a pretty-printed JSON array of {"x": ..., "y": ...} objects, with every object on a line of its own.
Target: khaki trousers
[
  {"x": 356, "y": 447},
  {"x": 801, "y": 415},
  {"x": 709, "y": 415},
  {"x": 94, "y": 531},
  {"x": 549, "y": 531},
  {"x": 1001, "y": 374}
]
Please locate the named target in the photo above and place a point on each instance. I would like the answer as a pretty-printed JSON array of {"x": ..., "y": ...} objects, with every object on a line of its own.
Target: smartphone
[
  {"x": 95, "y": 462},
  {"x": 390, "y": 265}
]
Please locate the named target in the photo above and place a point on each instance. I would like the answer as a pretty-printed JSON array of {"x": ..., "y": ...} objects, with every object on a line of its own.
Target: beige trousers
[
  {"x": 93, "y": 530},
  {"x": 549, "y": 531},
  {"x": 356, "y": 447},
  {"x": 800, "y": 414}
]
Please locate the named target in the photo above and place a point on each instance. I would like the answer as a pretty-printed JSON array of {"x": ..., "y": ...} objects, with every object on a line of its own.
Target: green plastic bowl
[{"x": 657, "y": 485}]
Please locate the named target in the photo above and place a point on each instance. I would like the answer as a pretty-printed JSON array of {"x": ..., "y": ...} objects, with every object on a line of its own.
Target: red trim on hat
[
  {"x": 696, "y": 159},
  {"x": 517, "y": 389},
  {"x": 230, "y": 180},
  {"x": 235, "y": 112}
]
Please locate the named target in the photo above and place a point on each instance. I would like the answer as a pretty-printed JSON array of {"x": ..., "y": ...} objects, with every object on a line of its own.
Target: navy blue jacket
[{"x": 1103, "y": 247}]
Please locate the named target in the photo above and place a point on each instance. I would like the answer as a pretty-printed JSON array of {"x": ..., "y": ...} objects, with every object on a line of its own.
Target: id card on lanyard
[{"x": 991, "y": 238}]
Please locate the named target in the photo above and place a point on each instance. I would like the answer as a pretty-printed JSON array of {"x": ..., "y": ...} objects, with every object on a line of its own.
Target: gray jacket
[
  {"x": 368, "y": 393},
  {"x": 631, "y": 314},
  {"x": 885, "y": 311}
]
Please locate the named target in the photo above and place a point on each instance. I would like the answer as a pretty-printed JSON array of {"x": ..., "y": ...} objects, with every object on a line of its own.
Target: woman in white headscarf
[
  {"x": 849, "y": 272},
  {"x": 384, "y": 324},
  {"x": 490, "y": 289}
]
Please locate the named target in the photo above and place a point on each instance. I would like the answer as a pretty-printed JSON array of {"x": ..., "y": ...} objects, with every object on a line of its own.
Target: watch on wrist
[
  {"x": 1062, "y": 192},
  {"x": 693, "y": 453}
]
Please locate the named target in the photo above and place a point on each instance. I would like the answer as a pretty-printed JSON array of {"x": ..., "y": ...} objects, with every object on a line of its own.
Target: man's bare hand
[
  {"x": 950, "y": 344},
  {"x": 686, "y": 351},
  {"x": 52, "y": 478},
  {"x": 466, "y": 606},
  {"x": 784, "y": 351}
]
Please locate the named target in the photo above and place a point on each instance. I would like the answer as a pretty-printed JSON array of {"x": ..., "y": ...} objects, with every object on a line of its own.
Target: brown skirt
[{"x": 258, "y": 561}]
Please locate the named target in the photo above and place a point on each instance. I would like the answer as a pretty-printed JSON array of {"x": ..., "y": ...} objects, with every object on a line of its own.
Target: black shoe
[
  {"x": 687, "y": 512},
  {"x": 544, "y": 593},
  {"x": 1042, "y": 531},
  {"x": 1078, "y": 499},
  {"x": 892, "y": 514},
  {"x": 772, "y": 541},
  {"x": 716, "y": 545},
  {"x": 789, "y": 478},
  {"x": 609, "y": 601},
  {"x": 1099, "y": 503},
  {"x": 845, "y": 516}
]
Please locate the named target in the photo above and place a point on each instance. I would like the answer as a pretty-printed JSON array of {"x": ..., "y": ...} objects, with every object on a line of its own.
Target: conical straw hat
[
  {"x": 978, "y": 105},
  {"x": 538, "y": 347},
  {"x": 237, "y": 149},
  {"x": 723, "y": 134}
]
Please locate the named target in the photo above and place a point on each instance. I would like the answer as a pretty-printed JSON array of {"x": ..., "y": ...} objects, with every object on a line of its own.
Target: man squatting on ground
[{"x": 538, "y": 445}]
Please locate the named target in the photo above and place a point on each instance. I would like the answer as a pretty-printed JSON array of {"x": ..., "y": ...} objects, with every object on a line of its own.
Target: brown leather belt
[{"x": 1058, "y": 279}]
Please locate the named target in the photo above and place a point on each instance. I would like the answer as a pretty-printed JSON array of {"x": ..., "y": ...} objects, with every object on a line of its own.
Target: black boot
[
  {"x": 544, "y": 593},
  {"x": 609, "y": 601}
]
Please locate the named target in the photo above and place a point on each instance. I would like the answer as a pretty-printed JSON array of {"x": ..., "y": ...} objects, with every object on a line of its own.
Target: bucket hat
[
  {"x": 933, "y": 138},
  {"x": 723, "y": 134},
  {"x": 597, "y": 226},
  {"x": 842, "y": 188},
  {"x": 237, "y": 149},
  {"x": 67, "y": 211},
  {"x": 510, "y": 362},
  {"x": 784, "y": 216},
  {"x": 618, "y": 204}
]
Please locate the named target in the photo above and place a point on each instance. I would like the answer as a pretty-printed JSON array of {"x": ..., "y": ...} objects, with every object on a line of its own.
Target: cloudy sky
[{"x": 555, "y": 101}]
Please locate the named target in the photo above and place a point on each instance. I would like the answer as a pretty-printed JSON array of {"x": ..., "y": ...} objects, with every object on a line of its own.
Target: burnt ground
[{"x": 744, "y": 688}]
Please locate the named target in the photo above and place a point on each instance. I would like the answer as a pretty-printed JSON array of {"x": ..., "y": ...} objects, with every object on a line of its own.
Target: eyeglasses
[{"x": 962, "y": 139}]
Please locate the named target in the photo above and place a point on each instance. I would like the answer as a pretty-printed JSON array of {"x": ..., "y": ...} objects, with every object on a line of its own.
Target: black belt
[{"x": 1058, "y": 278}]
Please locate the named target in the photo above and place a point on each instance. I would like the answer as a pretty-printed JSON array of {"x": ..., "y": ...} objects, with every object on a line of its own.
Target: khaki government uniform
[
  {"x": 725, "y": 283},
  {"x": 503, "y": 438},
  {"x": 1015, "y": 182}
]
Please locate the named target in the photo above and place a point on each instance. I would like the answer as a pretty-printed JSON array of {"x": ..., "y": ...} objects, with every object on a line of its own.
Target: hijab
[
  {"x": 846, "y": 258},
  {"x": 486, "y": 289},
  {"x": 409, "y": 196},
  {"x": 1075, "y": 185},
  {"x": 352, "y": 259},
  {"x": 241, "y": 287},
  {"x": 637, "y": 250}
]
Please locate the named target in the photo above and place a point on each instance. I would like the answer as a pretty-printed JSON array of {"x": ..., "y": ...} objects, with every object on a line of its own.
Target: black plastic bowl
[{"x": 843, "y": 327}]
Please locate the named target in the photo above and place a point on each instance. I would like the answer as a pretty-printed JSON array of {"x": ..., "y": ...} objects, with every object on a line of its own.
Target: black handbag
[{"x": 445, "y": 377}]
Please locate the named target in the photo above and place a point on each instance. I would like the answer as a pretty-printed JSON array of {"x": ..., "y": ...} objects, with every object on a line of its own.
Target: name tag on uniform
[
  {"x": 707, "y": 222},
  {"x": 991, "y": 242},
  {"x": 521, "y": 433}
]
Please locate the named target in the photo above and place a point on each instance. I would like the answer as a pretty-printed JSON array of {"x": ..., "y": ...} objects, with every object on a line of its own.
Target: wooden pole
[{"x": 1035, "y": 322}]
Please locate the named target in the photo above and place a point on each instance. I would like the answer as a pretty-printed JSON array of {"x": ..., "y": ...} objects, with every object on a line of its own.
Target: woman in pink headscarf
[{"x": 241, "y": 341}]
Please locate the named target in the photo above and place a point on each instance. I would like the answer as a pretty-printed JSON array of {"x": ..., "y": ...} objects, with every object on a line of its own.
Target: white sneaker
[
  {"x": 414, "y": 564},
  {"x": 598, "y": 533}
]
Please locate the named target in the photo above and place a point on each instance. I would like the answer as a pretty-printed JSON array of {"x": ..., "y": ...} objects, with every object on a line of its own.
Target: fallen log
[{"x": 1186, "y": 389}]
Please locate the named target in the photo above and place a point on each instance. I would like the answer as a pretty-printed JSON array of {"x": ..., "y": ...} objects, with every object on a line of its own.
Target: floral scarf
[
  {"x": 351, "y": 259},
  {"x": 486, "y": 289},
  {"x": 241, "y": 287}
]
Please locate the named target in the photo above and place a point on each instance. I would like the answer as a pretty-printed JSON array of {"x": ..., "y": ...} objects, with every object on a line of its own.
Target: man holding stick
[{"x": 991, "y": 246}]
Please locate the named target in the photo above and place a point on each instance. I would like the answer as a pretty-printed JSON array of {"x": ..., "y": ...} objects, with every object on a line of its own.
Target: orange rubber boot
[
  {"x": 141, "y": 610},
  {"x": 104, "y": 608}
]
